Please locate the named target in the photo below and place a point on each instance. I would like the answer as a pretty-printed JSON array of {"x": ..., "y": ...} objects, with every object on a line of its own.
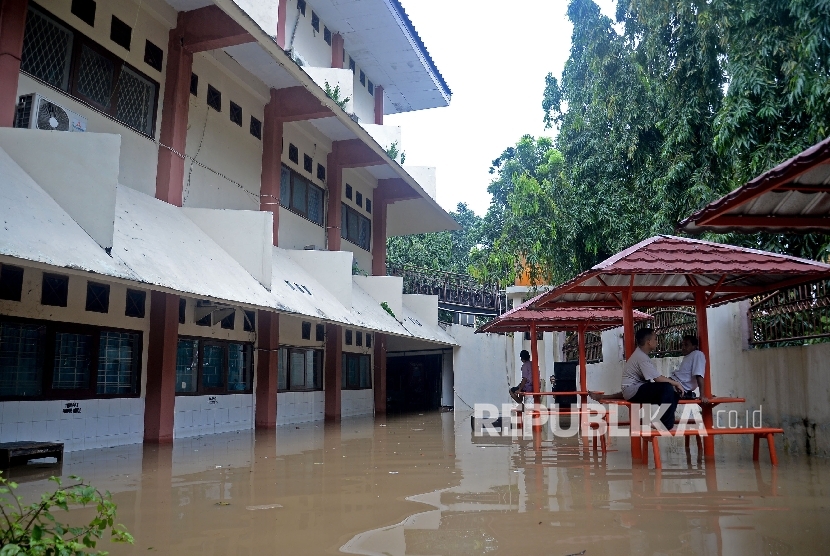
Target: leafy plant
[
  {"x": 334, "y": 94},
  {"x": 357, "y": 271},
  {"x": 388, "y": 309},
  {"x": 395, "y": 153},
  {"x": 33, "y": 530}
]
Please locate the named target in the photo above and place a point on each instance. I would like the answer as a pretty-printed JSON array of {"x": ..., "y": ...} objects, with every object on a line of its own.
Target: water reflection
[{"x": 423, "y": 484}]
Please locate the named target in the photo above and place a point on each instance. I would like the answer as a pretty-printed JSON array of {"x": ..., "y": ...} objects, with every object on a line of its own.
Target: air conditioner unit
[{"x": 37, "y": 112}]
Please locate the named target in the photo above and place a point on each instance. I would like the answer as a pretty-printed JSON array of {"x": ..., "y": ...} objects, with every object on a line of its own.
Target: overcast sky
[{"x": 494, "y": 55}]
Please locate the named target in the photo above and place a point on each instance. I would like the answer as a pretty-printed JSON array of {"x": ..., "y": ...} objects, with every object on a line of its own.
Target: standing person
[
  {"x": 642, "y": 383},
  {"x": 692, "y": 369},
  {"x": 526, "y": 385}
]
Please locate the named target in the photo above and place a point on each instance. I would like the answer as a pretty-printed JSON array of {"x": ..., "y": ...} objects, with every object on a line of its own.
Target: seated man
[
  {"x": 692, "y": 368},
  {"x": 642, "y": 383},
  {"x": 526, "y": 385}
]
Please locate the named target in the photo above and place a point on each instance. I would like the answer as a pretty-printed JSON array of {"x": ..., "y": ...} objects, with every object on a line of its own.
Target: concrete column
[
  {"x": 334, "y": 181},
  {"x": 380, "y": 374},
  {"x": 268, "y": 339},
  {"x": 160, "y": 397},
  {"x": 282, "y": 13},
  {"x": 379, "y": 104},
  {"x": 337, "y": 51},
  {"x": 333, "y": 379},
  {"x": 170, "y": 174},
  {"x": 379, "y": 234},
  {"x": 12, "y": 27},
  {"x": 269, "y": 188}
]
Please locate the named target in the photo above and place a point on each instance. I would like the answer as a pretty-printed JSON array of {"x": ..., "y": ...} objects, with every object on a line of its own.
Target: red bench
[{"x": 653, "y": 436}]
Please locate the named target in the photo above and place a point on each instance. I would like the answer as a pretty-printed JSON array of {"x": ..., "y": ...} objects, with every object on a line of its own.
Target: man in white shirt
[
  {"x": 642, "y": 383},
  {"x": 526, "y": 385},
  {"x": 692, "y": 368}
]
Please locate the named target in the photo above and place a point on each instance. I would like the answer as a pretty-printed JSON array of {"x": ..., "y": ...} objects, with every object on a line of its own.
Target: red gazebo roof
[
  {"x": 563, "y": 319},
  {"x": 792, "y": 197},
  {"x": 668, "y": 270}
]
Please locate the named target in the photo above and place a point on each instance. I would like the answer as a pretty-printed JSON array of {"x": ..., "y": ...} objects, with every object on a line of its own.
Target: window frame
[
  {"x": 293, "y": 175},
  {"x": 345, "y": 210},
  {"x": 305, "y": 349},
  {"x": 344, "y": 371},
  {"x": 47, "y": 352},
  {"x": 201, "y": 390},
  {"x": 79, "y": 40}
]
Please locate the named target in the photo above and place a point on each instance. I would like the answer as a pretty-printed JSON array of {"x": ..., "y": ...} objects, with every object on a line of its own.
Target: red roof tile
[{"x": 519, "y": 318}]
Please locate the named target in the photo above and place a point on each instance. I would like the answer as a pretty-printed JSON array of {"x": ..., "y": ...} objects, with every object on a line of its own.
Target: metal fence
[
  {"x": 670, "y": 324},
  {"x": 593, "y": 347},
  {"x": 791, "y": 317},
  {"x": 457, "y": 293}
]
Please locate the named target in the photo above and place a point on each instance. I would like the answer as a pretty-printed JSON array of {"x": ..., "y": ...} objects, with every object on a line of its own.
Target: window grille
[
  {"x": 214, "y": 98},
  {"x": 670, "y": 324},
  {"x": 299, "y": 369},
  {"x": 118, "y": 362},
  {"x": 791, "y": 317},
  {"x": 47, "y": 49},
  {"x": 187, "y": 364},
  {"x": 136, "y": 302},
  {"x": 593, "y": 347},
  {"x": 355, "y": 228},
  {"x": 256, "y": 128},
  {"x": 95, "y": 77},
  {"x": 236, "y": 114},
  {"x": 120, "y": 33},
  {"x": 21, "y": 359},
  {"x": 11, "y": 282},
  {"x": 301, "y": 196},
  {"x": 54, "y": 290},
  {"x": 213, "y": 367},
  {"x": 239, "y": 368},
  {"x": 153, "y": 55},
  {"x": 97, "y": 297},
  {"x": 73, "y": 355}
]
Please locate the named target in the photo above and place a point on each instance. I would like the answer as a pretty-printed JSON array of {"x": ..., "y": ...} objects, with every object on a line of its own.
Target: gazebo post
[
  {"x": 534, "y": 357},
  {"x": 703, "y": 339},
  {"x": 628, "y": 342}
]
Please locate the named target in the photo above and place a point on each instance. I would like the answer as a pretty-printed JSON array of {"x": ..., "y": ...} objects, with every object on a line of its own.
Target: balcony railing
[
  {"x": 791, "y": 317},
  {"x": 458, "y": 293}
]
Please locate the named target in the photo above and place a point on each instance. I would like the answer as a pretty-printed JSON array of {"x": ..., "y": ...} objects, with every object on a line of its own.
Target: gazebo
[
  {"x": 792, "y": 197},
  {"x": 567, "y": 319},
  {"x": 668, "y": 271}
]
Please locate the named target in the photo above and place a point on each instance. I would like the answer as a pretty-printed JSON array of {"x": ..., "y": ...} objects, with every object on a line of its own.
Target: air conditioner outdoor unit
[{"x": 37, "y": 112}]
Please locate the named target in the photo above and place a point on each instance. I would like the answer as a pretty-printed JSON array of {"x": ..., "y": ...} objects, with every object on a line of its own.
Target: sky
[{"x": 494, "y": 55}]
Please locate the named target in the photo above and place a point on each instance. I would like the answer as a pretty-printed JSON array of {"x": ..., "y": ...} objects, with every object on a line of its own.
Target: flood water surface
[{"x": 425, "y": 485}]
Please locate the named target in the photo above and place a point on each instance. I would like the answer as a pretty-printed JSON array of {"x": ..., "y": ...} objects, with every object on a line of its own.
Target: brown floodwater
[{"x": 424, "y": 485}]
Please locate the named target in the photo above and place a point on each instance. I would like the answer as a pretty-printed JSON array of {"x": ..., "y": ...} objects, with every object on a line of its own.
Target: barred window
[
  {"x": 299, "y": 369},
  {"x": 53, "y": 51},
  {"x": 21, "y": 359},
  {"x": 355, "y": 228},
  {"x": 118, "y": 362},
  {"x": 73, "y": 357},
  {"x": 301, "y": 196},
  {"x": 213, "y": 367}
]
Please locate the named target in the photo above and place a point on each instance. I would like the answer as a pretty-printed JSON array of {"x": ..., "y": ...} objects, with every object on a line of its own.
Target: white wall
[
  {"x": 307, "y": 42},
  {"x": 300, "y": 407},
  {"x": 295, "y": 232},
  {"x": 357, "y": 402},
  {"x": 481, "y": 365},
  {"x": 364, "y": 103},
  {"x": 198, "y": 415}
]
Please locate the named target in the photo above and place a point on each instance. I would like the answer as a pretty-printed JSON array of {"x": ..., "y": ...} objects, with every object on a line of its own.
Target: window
[
  {"x": 213, "y": 367},
  {"x": 85, "y": 11},
  {"x": 236, "y": 114},
  {"x": 97, "y": 297},
  {"x": 153, "y": 55},
  {"x": 54, "y": 290},
  {"x": 355, "y": 227},
  {"x": 348, "y": 191},
  {"x": 54, "y": 360},
  {"x": 306, "y": 330},
  {"x": 250, "y": 321},
  {"x": 315, "y": 21},
  {"x": 308, "y": 163},
  {"x": 351, "y": 64},
  {"x": 357, "y": 371},
  {"x": 369, "y": 206},
  {"x": 11, "y": 282},
  {"x": 299, "y": 369},
  {"x": 368, "y": 340},
  {"x": 214, "y": 98},
  {"x": 321, "y": 172},
  {"x": 194, "y": 84},
  {"x": 293, "y": 153},
  {"x": 301, "y": 6},
  {"x": 53, "y": 52},
  {"x": 182, "y": 309},
  {"x": 120, "y": 33},
  {"x": 136, "y": 302},
  {"x": 362, "y": 78},
  {"x": 301, "y": 196},
  {"x": 256, "y": 128},
  {"x": 327, "y": 35},
  {"x": 358, "y": 199},
  {"x": 371, "y": 87},
  {"x": 228, "y": 321},
  {"x": 204, "y": 320},
  {"x": 358, "y": 340},
  {"x": 320, "y": 332},
  {"x": 348, "y": 337}
]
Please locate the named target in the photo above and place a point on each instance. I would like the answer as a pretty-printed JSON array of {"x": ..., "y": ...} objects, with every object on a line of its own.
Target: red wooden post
[
  {"x": 269, "y": 187},
  {"x": 333, "y": 372},
  {"x": 583, "y": 364},
  {"x": 337, "y": 51},
  {"x": 380, "y": 374},
  {"x": 707, "y": 410},
  {"x": 160, "y": 396},
  {"x": 534, "y": 357},
  {"x": 268, "y": 336},
  {"x": 379, "y": 104}
]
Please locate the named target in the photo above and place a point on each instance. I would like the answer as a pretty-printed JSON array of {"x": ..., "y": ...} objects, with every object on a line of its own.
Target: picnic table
[{"x": 23, "y": 451}]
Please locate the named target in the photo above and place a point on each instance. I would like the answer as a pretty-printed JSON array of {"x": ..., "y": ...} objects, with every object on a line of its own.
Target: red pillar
[
  {"x": 170, "y": 176},
  {"x": 333, "y": 371},
  {"x": 12, "y": 27},
  {"x": 272, "y": 162},
  {"x": 268, "y": 339},
  {"x": 334, "y": 173},
  {"x": 380, "y": 374},
  {"x": 379, "y": 234},
  {"x": 703, "y": 338},
  {"x": 534, "y": 358},
  {"x": 379, "y": 104},
  {"x": 282, "y": 13},
  {"x": 583, "y": 367},
  {"x": 337, "y": 51},
  {"x": 160, "y": 399}
]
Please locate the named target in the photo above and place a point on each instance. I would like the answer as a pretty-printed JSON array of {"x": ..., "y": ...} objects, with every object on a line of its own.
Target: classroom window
[
  {"x": 356, "y": 372},
  {"x": 355, "y": 228},
  {"x": 11, "y": 282},
  {"x": 54, "y": 290},
  {"x": 301, "y": 196},
  {"x": 55, "y": 360},
  {"x": 136, "y": 302},
  {"x": 66, "y": 59},
  {"x": 97, "y": 297},
  {"x": 213, "y": 367},
  {"x": 299, "y": 369}
]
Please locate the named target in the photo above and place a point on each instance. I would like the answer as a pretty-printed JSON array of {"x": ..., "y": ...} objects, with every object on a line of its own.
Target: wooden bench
[
  {"x": 652, "y": 437},
  {"x": 21, "y": 452}
]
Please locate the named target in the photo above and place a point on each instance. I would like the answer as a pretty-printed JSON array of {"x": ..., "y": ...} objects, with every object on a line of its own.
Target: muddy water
[{"x": 424, "y": 485}]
